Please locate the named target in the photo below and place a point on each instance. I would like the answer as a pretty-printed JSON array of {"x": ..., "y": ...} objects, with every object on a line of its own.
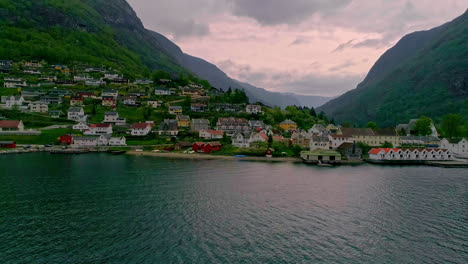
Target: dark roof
[
  {"x": 385, "y": 132},
  {"x": 350, "y": 132},
  {"x": 345, "y": 145}
]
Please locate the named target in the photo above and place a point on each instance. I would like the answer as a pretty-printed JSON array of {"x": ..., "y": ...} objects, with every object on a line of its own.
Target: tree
[
  {"x": 225, "y": 139},
  {"x": 346, "y": 124},
  {"x": 312, "y": 112},
  {"x": 387, "y": 145},
  {"x": 147, "y": 113},
  {"x": 270, "y": 141},
  {"x": 372, "y": 125},
  {"x": 452, "y": 125},
  {"x": 422, "y": 127}
]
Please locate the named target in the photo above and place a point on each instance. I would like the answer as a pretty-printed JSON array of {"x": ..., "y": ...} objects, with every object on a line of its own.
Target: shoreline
[{"x": 197, "y": 156}]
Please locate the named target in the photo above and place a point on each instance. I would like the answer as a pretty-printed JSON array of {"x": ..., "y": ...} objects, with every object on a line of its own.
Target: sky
[{"x": 312, "y": 47}]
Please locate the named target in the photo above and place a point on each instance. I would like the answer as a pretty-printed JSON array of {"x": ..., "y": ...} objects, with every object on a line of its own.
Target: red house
[
  {"x": 84, "y": 94},
  {"x": 206, "y": 147},
  {"x": 8, "y": 144},
  {"x": 66, "y": 140}
]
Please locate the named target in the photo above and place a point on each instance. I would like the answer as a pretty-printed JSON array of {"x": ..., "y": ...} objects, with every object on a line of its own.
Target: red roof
[
  {"x": 199, "y": 143},
  {"x": 263, "y": 135},
  {"x": 9, "y": 123},
  {"x": 215, "y": 132},
  {"x": 141, "y": 125},
  {"x": 100, "y": 125}
]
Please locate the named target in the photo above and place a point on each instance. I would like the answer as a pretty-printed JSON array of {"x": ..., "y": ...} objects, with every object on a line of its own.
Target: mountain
[
  {"x": 425, "y": 73},
  {"x": 107, "y": 33}
]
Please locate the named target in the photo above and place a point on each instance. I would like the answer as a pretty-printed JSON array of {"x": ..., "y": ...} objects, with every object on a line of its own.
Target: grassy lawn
[{"x": 47, "y": 137}]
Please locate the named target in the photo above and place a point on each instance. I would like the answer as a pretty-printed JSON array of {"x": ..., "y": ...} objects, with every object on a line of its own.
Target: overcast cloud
[{"x": 316, "y": 47}]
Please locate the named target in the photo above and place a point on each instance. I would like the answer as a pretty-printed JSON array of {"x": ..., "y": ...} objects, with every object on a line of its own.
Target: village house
[
  {"x": 109, "y": 101},
  {"x": 198, "y": 108},
  {"x": 82, "y": 78},
  {"x": 11, "y": 125},
  {"x": 38, "y": 107},
  {"x": 141, "y": 129},
  {"x": 137, "y": 94},
  {"x": 110, "y": 93},
  {"x": 371, "y": 137},
  {"x": 143, "y": 82},
  {"x": 163, "y": 92},
  {"x": 319, "y": 129},
  {"x": 111, "y": 76},
  {"x": 66, "y": 139},
  {"x": 199, "y": 124},
  {"x": 319, "y": 142},
  {"x": 256, "y": 125},
  {"x": 183, "y": 121},
  {"x": 59, "y": 92},
  {"x": 32, "y": 72},
  {"x": 241, "y": 140},
  {"x": 94, "y": 82},
  {"x": 427, "y": 141},
  {"x": 8, "y": 144},
  {"x": 48, "y": 78},
  {"x": 81, "y": 126},
  {"x": 90, "y": 141},
  {"x": 168, "y": 127},
  {"x": 76, "y": 101},
  {"x": 175, "y": 110},
  {"x": 85, "y": 94},
  {"x": 99, "y": 129},
  {"x": 77, "y": 114},
  {"x": 231, "y": 125},
  {"x": 5, "y": 66},
  {"x": 253, "y": 109},
  {"x": 210, "y": 134},
  {"x": 117, "y": 141},
  {"x": 259, "y": 137},
  {"x": 333, "y": 129},
  {"x": 410, "y": 154},
  {"x": 408, "y": 129},
  {"x": 337, "y": 140},
  {"x": 182, "y": 145},
  {"x": 65, "y": 83},
  {"x": 114, "y": 118},
  {"x": 321, "y": 156},
  {"x": 55, "y": 113},
  {"x": 288, "y": 125},
  {"x": 206, "y": 147},
  {"x": 459, "y": 147},
  {"x": 51, "y": 99},
  {"x": 31, "y": 93},
  {"x": 12, "y": 101},
  {"x": 130, "y": 101},
  {"x": 227, "y": 107},
  {"x": 154, "y": 103},
  {"x": 350, "y": 150},
  {"x": 301, "y": 138},
  {"x": 14, "y": 83}
]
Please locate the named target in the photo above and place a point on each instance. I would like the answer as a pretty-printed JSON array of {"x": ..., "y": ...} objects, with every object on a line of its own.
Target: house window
[
  {"x": 332, "y": 157},
  {"x": 320, "y": 157}
]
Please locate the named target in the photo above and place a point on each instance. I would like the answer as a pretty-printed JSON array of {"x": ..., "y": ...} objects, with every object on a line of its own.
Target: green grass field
[{"x": 47, "y": 137}]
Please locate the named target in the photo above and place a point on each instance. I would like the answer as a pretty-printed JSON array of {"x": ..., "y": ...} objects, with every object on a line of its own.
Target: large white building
[
  {"x": 411, "y": 154},
  {"x": 458, "y": 147},
  {"x": 38, "y": 107},
  {"x": 99, "y": 129}
]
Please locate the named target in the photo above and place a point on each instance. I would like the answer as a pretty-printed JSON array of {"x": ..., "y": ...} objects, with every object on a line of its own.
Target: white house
[
  {"x": 163, "y": 92},
  {"x": 241, "y": 140},
  {"x": 110, "y": 93},
  {"x": 259, "y": 137},
  {"x": 38, "y": 107},
  {"x": 93, "y": 82},
  {"x": 210, "y": 134},
  {"x": 12, "y": 101},
  {"x": 99, "y": 129},
  {"x": 458, "y": 147},
  {"x": 76, "y": 114},
  {"x": 90, "y": 141},
  {"x": 320, "y": 142},
  {"x": 154, "y": 104},
  {"x": 254, "y": 109},
  {"x": 14, "y": 83},
  {"x": 319, "y": 129},
  {"x": 117, "y": 141},
  {"x": 141, "y": 129},
  {"x": 81, "y": 126},
  {"x": 412, "y": 154},
  {"x": 114, "y": 118},
  {"x": 11, "y": 125},
  {"x": 130, "y": 101}
]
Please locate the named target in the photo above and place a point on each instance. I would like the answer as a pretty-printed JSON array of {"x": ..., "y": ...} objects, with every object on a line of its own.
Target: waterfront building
[
  {"x": 141, "y": 129},
  {"x": 459, "y": 147},
  {"x": 410, "y": 154}
]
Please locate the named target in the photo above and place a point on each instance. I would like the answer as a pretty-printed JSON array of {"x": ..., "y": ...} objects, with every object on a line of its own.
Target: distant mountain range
[
  {"x": 109, "y": 33},
  {"x": 425, "y": 73}
]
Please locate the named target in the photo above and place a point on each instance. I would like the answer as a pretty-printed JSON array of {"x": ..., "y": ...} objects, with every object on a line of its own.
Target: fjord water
[{"x": 101, "y": 208}]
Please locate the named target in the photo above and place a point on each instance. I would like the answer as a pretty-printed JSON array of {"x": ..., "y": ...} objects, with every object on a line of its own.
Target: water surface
[{"x": 101, "y": 208}]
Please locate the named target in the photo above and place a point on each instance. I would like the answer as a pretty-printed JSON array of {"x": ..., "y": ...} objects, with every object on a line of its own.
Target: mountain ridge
[{"x": 423, "y": 74}]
